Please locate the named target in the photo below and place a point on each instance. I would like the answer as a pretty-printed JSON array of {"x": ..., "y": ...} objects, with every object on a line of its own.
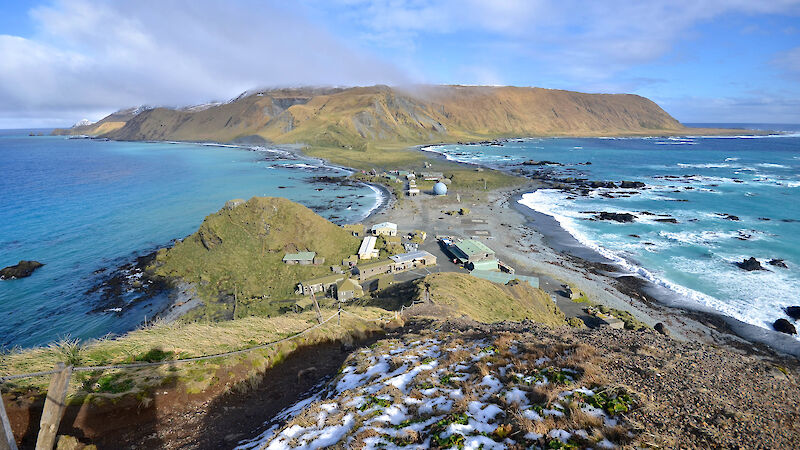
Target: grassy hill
[
  {"x": 235, "y": 257},
  {"x": 355, "y": 118},
  {"x": 461, "y": 294}
]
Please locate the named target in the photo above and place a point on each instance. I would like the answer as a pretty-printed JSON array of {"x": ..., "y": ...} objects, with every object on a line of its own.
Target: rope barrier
[{"x": 177, "y": 361}]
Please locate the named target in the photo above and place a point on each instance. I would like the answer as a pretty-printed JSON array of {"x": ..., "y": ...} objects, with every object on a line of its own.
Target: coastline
[
  {"x": 555, "y": 254},
  {"x": 561, "y": 257}
]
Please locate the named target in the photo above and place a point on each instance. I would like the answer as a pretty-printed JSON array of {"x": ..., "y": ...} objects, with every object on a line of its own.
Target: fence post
[
  {"x": 339, "y": 315},
  {"x": 7, "y": 441},
  {"x": 54, "y": 407}
]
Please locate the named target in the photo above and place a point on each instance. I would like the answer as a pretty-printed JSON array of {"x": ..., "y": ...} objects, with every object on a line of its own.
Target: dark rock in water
[
  {"x": 661, "y": 329},
  {"x": 793, "y": 312},
  {"x": 20, "y": 270},
  {"x": 778, "y": 263},
  {"x": 669, "y": 220},
  {"x": 789, "y": 220},
  {"x": 646, "y": 213},
  {"x": 784, "y": 326},
  {"x": 729, "y": 217},
  {"x": 601, "y": 184},
  {"x": 765, "y": 219},
  {"x": 616, "y": 217},
  {"x": 631, "y": 184},
  {"x": 750, "y": 264},
  {"x": 532, "y": 162},
  {"x": 634, "y": 236}
]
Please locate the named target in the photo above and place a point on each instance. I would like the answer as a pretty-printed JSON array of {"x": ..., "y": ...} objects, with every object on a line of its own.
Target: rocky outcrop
[
  {"x": 631, "y": 184},
  {"x": 778, "y": 263},
  {"x": 616, "y": 217},
  {"x": 793, "y": 312},
  {"x": 784, "y": 326},
  {"x": 750, "y": 264},
  {"x": 20, "y": 270},
  {"x": 661, "y": 328}
]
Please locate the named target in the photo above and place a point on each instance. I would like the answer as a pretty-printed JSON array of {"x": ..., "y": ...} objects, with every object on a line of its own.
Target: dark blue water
[
  {"x": 81, "y": 205},
  {"x": 695, "y": 180}
]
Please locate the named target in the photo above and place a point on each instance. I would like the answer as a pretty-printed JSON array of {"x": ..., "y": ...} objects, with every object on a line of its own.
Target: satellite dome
[{"x": 440, "y": 188}]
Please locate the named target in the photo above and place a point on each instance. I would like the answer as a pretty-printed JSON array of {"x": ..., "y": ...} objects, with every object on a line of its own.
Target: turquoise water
[
  {"x": 695, "y": 180},
  {"x": 81, "y": 205}
]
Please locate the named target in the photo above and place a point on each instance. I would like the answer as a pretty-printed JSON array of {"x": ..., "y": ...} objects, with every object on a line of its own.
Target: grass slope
[
  {"x": 489, "y": 302},
  {"x": 239, "y": 251}
]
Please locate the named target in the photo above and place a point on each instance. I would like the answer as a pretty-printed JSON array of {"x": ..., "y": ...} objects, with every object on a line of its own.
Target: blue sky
[{"x": 701, "y": 60}]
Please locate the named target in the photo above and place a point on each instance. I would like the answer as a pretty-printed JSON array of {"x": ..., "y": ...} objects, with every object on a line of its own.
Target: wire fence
[{"x": 7, "y": 378}]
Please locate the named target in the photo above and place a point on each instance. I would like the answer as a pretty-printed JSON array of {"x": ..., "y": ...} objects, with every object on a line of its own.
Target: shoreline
[
  {"x": 607, "y": 282},
  {"x": 576, "y": 263}
]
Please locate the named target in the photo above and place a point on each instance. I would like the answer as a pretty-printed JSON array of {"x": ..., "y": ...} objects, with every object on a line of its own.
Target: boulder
[
  {"x": 668, "y": 220},
  {"x": 20, "y": 270},
  {"x": 750, "y": 264},
  {"x": 784, "y": 326},
  {"x": 793, "y": 312},
  {"x": 616, "y": 217},
  {"x": 661, "y": 329},
  {"x": 778, "y": 263},
  {"x": 631, "y": 184}
]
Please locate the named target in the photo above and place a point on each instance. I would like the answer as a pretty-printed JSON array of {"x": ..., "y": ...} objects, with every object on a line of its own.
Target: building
[
  {"x": 348, "y": 289},
  {"x": 490, "y": 264},
  {"x": 412, "y": 192},
  {"x": 503, "y": 278},
  {"x": 384, "y": 229},
  {"x": 370, "y": 270},
  {"x": 411, "y": 260},
  {"x": 470, "y": 250},
  {"x": 302, "y": 258},
  {"x": 350, "y": 261},
  {"x": 367, "y": 249},
  {"x": 324, "y": 285},
  {"x": 431, "y": 176}
]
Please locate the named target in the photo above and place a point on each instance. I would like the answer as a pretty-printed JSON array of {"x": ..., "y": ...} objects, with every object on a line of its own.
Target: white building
[
  {"x": 367, "y": 249},
  {"x": 385, "y": 229}
]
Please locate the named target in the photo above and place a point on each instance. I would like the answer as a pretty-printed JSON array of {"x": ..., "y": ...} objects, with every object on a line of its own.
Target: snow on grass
[{"x": 446, "y": 393}]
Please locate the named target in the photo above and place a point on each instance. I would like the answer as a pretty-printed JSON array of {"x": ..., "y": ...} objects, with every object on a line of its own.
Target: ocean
[
  {"x": 732, "y": 198},
  {"x": 84, "y": 207}
]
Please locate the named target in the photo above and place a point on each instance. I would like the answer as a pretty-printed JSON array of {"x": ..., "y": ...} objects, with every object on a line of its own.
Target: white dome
[{"x": 440, "y": 188}]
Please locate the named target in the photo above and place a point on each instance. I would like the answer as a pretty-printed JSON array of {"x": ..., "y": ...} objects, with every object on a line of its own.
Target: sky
[{"x": 723, "y": 61}]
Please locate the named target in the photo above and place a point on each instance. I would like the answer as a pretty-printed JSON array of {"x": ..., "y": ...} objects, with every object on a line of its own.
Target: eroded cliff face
[{"x": 352, "y": 116}]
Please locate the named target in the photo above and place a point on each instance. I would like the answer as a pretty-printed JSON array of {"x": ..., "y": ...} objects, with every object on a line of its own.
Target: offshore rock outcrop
[{"x": 22, "y": 269}]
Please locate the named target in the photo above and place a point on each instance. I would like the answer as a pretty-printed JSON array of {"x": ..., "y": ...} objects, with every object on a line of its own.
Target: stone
[
  {"x": 661, "y": 328},
  {"x": 616, "y": 217},
  {"x": 793, "y": 312},
  {"x": 784, "y": 326},
  {"x": 631, "y": 184},
  {"x": 750, "y": 264},
  {"x": 20, "y": 270},
  {"x": 778, "y": 263}
]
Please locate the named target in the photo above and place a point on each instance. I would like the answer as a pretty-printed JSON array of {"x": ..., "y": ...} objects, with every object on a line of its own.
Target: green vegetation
[
  {"x": 488, "y": 302},
  {"x": 235, "y": 257},
  {"x": 162, "y": 342}
]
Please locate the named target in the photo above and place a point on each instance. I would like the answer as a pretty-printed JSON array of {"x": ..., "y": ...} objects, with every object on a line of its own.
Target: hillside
[
  {"x": 469, "y": 385},
  {"x": 352, "y": 117},
  {"x": 235, "y": 257},
  {"x": 456, "y": 294}
]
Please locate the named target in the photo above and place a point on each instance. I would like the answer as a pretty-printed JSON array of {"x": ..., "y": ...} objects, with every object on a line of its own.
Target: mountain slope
[{"x": 353, "y": 117}]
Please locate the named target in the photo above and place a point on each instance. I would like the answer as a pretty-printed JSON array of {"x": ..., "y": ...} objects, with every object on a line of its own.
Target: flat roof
[
  {"x": 503, "y": 278},
  {"x": 471, "y": 247},
  {"x": 410, "y": 256},
  {"x": 367, "y": 245},
  {"x": 329, "y": 279},
  {"x": 300, "y": 256},
  {"x": 385, "y": 225},
  {"x": 371, "y": 265}
]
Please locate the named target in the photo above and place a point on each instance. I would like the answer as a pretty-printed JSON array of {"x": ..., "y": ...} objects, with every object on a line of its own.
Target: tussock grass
[{"x": 181, "y": 340}]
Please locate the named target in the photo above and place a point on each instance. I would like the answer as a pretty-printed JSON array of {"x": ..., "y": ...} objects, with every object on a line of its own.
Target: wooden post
[
  {"x": 54, "y": 407},
  {"x": 7, "y": 441},
  {"x": 316, "y": 306}
]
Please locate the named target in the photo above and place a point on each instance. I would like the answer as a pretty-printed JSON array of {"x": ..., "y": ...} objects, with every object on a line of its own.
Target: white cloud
[{"x": 90, "y": 57}]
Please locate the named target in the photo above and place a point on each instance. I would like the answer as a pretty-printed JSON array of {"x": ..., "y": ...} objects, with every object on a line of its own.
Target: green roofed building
[
  {"x": 471, "y": 251},
  {"x": 503, "y": 278},
  {"x": 348, "y": 289},
  {"x": 486, "y": 264},
  {"x": 323, "y": 285},
  {"x": 303, "y": 258}
]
